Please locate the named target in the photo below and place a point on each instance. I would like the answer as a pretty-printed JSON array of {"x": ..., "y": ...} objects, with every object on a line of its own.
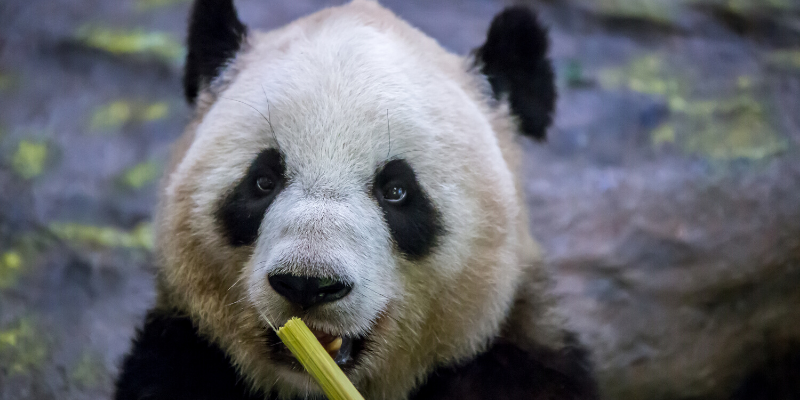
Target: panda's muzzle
[{"x": 307, "y": 292}]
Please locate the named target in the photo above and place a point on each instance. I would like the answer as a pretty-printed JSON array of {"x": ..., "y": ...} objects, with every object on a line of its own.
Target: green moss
[
  {"x": 89, "y": 371},
  {"x": 650, "y": 10},
  {"x": 141, "y": 237},
  {"x": 663, "y": 134},
  {"x": 668, "y": 11},
  {"x": 22, "y": 348},
  {"x": 647, "y": 74},
  {"x": 787, "y": 59},
  {"x": 727, "y": 128},
  {"x": 154, "y": 111},
  {"x": 18, "y": 256},
  {"x": 654, "y": 10},
  {"x": 119, "y": 112},
  {"x": 112, "y": 115},
  {"x": 146, "y": 5},
  {"x": 731, "y": 129},
  {"x": 7, "y": 81},
  {"x": 749, "y": 6},
  {"x": 140, "y": 175},
  {"x": 10, "y": 268},
  {"x": 29, "y": 159},
  {"x": 160, "y": 44}
]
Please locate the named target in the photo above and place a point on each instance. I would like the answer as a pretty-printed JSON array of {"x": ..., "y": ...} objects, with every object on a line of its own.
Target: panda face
[{"x": 348, "y": 171}]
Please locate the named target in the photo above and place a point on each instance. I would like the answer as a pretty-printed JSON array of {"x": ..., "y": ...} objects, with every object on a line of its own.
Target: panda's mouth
[
  {"x": 344, "y": 350},
  {"x": 340, "y": 348}
]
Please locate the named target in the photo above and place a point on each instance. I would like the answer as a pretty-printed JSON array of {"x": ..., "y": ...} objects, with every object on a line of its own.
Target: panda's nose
[{"x": 307, "y": 291}]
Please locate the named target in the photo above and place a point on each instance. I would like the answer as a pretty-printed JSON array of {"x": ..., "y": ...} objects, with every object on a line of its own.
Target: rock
[{"x": 668, "y": 200}]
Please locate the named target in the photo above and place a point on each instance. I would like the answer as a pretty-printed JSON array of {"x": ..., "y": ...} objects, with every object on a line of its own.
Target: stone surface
[{"x": 667, "y": 197}]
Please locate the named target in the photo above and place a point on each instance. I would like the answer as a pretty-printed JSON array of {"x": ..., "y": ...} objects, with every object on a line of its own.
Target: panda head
[{"x": 347, "y": 170}]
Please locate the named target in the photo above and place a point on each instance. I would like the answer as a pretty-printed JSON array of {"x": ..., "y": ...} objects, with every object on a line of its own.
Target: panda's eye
[
  {"x": 394, "y": 193},
  {"x": 265, "y": 184}
]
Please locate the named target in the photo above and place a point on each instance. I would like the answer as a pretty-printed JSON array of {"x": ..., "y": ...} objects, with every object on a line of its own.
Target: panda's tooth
[{"x": 334, "y": 346}]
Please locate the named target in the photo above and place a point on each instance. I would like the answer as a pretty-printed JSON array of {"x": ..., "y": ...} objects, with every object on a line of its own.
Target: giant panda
[{"x": 348, "y": 170}]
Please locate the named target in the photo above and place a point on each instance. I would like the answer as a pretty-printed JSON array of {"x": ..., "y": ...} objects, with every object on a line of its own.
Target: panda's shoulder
[{"x": 171, "y": 360}]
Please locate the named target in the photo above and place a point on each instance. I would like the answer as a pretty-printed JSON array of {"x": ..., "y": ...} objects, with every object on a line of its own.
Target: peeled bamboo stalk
[{"x": 302, "y": 343}]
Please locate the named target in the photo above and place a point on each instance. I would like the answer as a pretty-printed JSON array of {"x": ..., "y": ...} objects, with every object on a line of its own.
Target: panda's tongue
[{"x": 337, "y": 346}]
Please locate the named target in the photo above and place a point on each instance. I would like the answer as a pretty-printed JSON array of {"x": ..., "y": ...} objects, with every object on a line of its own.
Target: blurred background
[{"x": 667, "y": 196}]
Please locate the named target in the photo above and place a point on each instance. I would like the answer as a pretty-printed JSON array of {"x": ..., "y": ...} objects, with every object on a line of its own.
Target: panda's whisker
[
  {"x": 269, "y": 117},
  {"x": 375, "y": 292},
  {"x": 237, "y": 281},
  {"x": 267, "y": 320},
  {"x": 260, "y": 267},
  {"x": 237, "y": 301},
  {"x": 389, "y": 133},
  {"x": 260, "y": 113}
]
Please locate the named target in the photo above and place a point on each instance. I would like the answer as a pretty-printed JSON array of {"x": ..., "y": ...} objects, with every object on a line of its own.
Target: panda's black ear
[
  {"x": 514, "y": 59},
  {"x": 215, "y": 35}
]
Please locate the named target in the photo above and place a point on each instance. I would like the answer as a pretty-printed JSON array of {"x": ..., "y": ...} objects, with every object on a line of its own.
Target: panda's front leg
[
  {"x": 508, "y": 372},
  {"x": 171, "y": 361}
]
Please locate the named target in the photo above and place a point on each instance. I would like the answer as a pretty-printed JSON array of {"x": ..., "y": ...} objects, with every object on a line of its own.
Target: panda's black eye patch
[
  {"x": 413, "y": 220},
  {"x": 241, "y": 210}
]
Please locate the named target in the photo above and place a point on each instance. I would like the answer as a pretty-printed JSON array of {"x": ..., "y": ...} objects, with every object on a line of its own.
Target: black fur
[
  {"x": 514, "y": 59},
  {"x": 170, "y": 360},
  {"x": 240, "y": 212},
  {"x": 507, "y": 372},
  {"x": 415, "y": 223},
  {"x": 777, "y": 378},
  {"x": 215, "y": 35}
]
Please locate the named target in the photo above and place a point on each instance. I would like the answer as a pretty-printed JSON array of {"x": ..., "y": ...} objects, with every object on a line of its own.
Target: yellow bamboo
[{"x": 302, "y": 343}]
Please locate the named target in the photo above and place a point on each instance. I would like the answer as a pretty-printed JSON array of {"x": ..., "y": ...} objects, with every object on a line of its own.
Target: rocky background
[{"x": 667, "y": 196}]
